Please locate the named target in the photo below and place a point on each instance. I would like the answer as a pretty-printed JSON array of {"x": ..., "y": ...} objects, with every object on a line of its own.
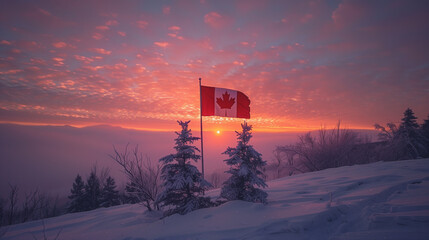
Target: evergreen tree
[
  {"x": 409, "y": 120},
  {"x": 425, "y": 127},
  {"x": 425, "y": 132},
  {"x": 109, "y": 194},
  {"x": 410, "y": 137},
  {"x": 183, "y": 183},
  {"x": 245, "y": 164},
  {"x": 132, "y": 195},
  {"x": 92, "y": 192},
  {"x": 77, "y": 203}
]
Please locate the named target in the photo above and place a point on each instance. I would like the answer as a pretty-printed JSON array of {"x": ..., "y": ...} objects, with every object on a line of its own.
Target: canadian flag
[{"x": 224, "y": 103}]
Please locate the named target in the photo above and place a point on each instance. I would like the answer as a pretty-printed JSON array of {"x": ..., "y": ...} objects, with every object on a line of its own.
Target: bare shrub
[
  {"x": 216, "y": 178},
  {"x": 13, "y": 202},
  {"x": 285, "y": 163},
  {"x": 142, "y": 174},
  {"x": 35, "y": 205},
  {"x": 329, "y": 148}
]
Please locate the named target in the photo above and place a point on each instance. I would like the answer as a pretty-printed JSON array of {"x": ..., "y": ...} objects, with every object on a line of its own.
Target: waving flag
[{"x": 224, "y": 103}]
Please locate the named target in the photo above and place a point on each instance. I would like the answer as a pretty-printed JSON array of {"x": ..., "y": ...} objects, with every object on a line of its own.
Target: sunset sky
[{"x": 136, "y": 64}]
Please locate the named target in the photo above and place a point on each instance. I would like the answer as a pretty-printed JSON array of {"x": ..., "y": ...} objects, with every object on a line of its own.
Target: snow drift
[{"x": 383, "y": 200}]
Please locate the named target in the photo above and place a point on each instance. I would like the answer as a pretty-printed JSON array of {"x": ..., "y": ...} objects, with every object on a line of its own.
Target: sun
[{"x": 217, "y": 132}]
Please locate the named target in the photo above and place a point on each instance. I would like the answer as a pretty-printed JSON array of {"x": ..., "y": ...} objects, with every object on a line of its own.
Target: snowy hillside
[{"x": 384, "y": 200}]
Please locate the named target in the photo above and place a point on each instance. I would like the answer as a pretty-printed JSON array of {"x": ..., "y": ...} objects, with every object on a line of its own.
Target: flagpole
[{"x": 201, "y": 130}]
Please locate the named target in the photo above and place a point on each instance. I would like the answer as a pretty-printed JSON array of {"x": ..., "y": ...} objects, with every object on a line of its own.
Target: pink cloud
[
  {"x": 142, "y": 24},
  {"x": 166, "y": 10},
  {"x": 118, "y": 66},
  {"x": 93, "y": 68},
  {"x": 83, "y": 59},
  {"x": 215, "y": 20},
  {"x": 15, "y": 50},
  {"x": 101, "y": 51},
  {"x": 174, "y": 28},
  {"x": 123, "y": 34},
  {"x": 59, "y": 44},
  {"x": 58, "y": 61},
  {"x": 11, "y": 71},
  {"x": 161, "y": 44},
  {"x": 139, "y": 68},
  {"x": 307, "y": 17},
  {"x": 5, "y": 42},
  {"x": 173, "y": 35},
  {"x": 44, "y": 12},
  {"x": 97, "y": 36},
  {"x": 102, "y": 28},
  {"x": 112, "y": 23}
]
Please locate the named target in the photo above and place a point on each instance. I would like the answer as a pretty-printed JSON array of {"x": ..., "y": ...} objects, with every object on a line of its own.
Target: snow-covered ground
[{"x": 384, "y": 200}]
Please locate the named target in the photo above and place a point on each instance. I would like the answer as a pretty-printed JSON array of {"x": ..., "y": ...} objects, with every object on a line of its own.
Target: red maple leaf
[{"x": 225, "y": 101}]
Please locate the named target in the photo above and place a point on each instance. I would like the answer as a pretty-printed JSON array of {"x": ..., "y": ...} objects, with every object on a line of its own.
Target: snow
[{"x": 383, "y": 200}]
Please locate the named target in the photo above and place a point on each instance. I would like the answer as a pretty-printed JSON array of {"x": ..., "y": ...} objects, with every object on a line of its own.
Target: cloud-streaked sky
[{"x": 136, "y": 63}]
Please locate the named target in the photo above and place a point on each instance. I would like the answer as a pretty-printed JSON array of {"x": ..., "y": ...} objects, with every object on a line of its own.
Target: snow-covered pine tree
[
  {"x": 131, "y": 195},
  {"x": 182, "y": 182},
  {"x": 425, "y": 127},
  {"x": 109, "y": 194},
  {"x": 92, "y": 192},
  {"x": 77, "y": 203},
  {"x": 425, "y": 131},
  {"x": 411, "y": 137},
  {"x": 245, "y": 169}
]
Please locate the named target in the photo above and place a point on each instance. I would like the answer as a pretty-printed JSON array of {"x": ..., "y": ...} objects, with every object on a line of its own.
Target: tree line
[
  {"x": 17, "y": 208},
  {"x": 328, "y": 148},
  {"x": 96, "y": 192}
]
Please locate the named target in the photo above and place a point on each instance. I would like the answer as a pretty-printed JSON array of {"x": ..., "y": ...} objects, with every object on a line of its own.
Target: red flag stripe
[
  {"x": 208, "y": 103},
  {"x": 207, "y": 99},
  {"x": 243, "y": 105}
]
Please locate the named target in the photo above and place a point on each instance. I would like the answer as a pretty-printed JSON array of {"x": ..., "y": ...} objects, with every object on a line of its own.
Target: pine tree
[
  {"x": 92, "y": 192},
  {"x": 410, "y": 137},
  {"x": 132, "y": 195},
  {"x": 409, "y": 120},
  {"x": 425, "y": 132},
  {"x": 245, "y": 164},
  {"x": 77, "y": 203},
  {"x": 425, "y": 127},
  {"x": 183, "y": 183},
  {"x": 109, "y": 194}
]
